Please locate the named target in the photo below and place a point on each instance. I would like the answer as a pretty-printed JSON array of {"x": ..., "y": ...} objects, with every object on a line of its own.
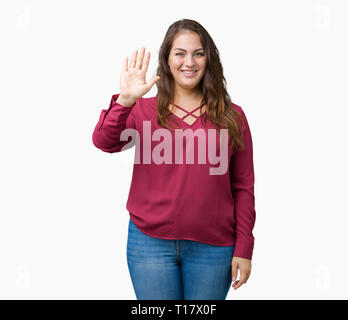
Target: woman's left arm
[{"x": 242, "y": 186}]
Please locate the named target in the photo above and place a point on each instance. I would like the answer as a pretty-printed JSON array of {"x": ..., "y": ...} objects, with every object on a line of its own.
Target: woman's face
[{"x": 187, "y": 54}]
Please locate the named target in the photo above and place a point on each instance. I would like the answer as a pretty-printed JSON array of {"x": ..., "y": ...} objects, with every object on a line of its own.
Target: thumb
[
  {"x": 234, "y": 270},
  {"x": 152, "y": 81}
]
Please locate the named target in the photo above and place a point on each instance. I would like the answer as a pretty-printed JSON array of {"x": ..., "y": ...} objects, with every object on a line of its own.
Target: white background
[{"x": 63, "y": 223}]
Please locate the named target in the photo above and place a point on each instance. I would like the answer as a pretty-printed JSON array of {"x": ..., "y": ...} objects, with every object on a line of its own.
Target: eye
[{"x": 201, "y": 53}]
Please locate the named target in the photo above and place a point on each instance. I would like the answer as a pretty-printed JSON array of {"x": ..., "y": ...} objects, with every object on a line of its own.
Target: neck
[{"x": 187, "y": 97}]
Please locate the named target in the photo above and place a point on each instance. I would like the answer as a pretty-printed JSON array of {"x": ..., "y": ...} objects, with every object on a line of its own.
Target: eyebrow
[{"x": 185, "y": 50}]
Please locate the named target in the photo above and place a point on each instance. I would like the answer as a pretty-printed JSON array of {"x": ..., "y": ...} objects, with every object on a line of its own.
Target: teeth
[{"x": 189, "y": 72}]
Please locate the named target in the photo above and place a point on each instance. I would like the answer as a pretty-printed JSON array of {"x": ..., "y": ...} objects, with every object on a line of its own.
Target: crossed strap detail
[{"x": 189, "y": 112}]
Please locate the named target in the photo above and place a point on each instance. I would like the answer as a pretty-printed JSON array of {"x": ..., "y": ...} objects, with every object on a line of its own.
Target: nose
[{"x": 189, "y": 62}]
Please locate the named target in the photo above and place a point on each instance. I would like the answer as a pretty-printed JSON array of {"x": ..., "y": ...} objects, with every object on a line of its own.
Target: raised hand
[{"x": 133, "y": 77}]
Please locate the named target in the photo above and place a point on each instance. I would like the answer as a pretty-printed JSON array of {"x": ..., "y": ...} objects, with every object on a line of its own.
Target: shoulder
[
  {"x": 149, "y": 100},
  {"x": 144, "y": 103},
  {"x": 145, "y": 107},
  {"x": 237, "y": 107},
  {"x": 242, "y": 117},
  {"x": 149, "y": 103}
]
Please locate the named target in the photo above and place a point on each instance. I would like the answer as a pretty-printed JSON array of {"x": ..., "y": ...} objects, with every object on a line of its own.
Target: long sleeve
[
  {"x": 242, "y": 187},
  {"x": 112, "y": 121}
]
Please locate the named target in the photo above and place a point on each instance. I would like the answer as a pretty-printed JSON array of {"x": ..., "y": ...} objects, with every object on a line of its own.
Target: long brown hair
[{"x": 212, "y": 85}]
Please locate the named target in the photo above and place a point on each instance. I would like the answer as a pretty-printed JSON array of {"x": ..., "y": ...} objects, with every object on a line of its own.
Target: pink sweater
[{"x": 173, "y": 197}]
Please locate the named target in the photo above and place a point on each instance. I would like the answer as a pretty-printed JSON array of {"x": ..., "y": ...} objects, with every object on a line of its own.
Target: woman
[{"x": 191, "y": 219}]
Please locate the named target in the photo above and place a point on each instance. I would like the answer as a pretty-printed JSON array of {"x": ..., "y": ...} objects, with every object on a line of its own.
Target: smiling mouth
[{"x": 189, "y": 73}]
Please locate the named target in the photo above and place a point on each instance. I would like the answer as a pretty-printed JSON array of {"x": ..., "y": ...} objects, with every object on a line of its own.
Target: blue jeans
[{"x": 162, "y": 269}]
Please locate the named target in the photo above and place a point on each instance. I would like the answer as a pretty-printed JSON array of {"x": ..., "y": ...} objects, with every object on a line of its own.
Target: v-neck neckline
[
  {"x": 187, "y": 124},
  {"x": 189, "y": 113}
]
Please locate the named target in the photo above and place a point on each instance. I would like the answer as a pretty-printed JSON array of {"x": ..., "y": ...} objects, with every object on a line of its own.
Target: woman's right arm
[
  {"x": 112, "y": 121},
  {"x": 121, "y": 113}
]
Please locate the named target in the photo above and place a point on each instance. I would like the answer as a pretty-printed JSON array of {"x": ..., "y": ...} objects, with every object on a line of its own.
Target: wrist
[{"x": 126, "y": 102}]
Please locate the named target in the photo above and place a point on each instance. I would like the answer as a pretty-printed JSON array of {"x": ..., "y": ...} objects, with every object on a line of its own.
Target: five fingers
[
  {"x": 137, "y": 61},
  {"x": 140, "y": 63}
]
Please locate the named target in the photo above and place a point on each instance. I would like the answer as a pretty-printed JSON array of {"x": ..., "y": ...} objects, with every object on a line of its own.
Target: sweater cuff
[
  {"x": 243, "y": 249},
  {"x": 114, "y": 98}
]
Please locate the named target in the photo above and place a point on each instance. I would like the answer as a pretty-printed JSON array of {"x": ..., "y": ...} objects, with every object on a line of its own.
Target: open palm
[{"x": 133, "y": 77}]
